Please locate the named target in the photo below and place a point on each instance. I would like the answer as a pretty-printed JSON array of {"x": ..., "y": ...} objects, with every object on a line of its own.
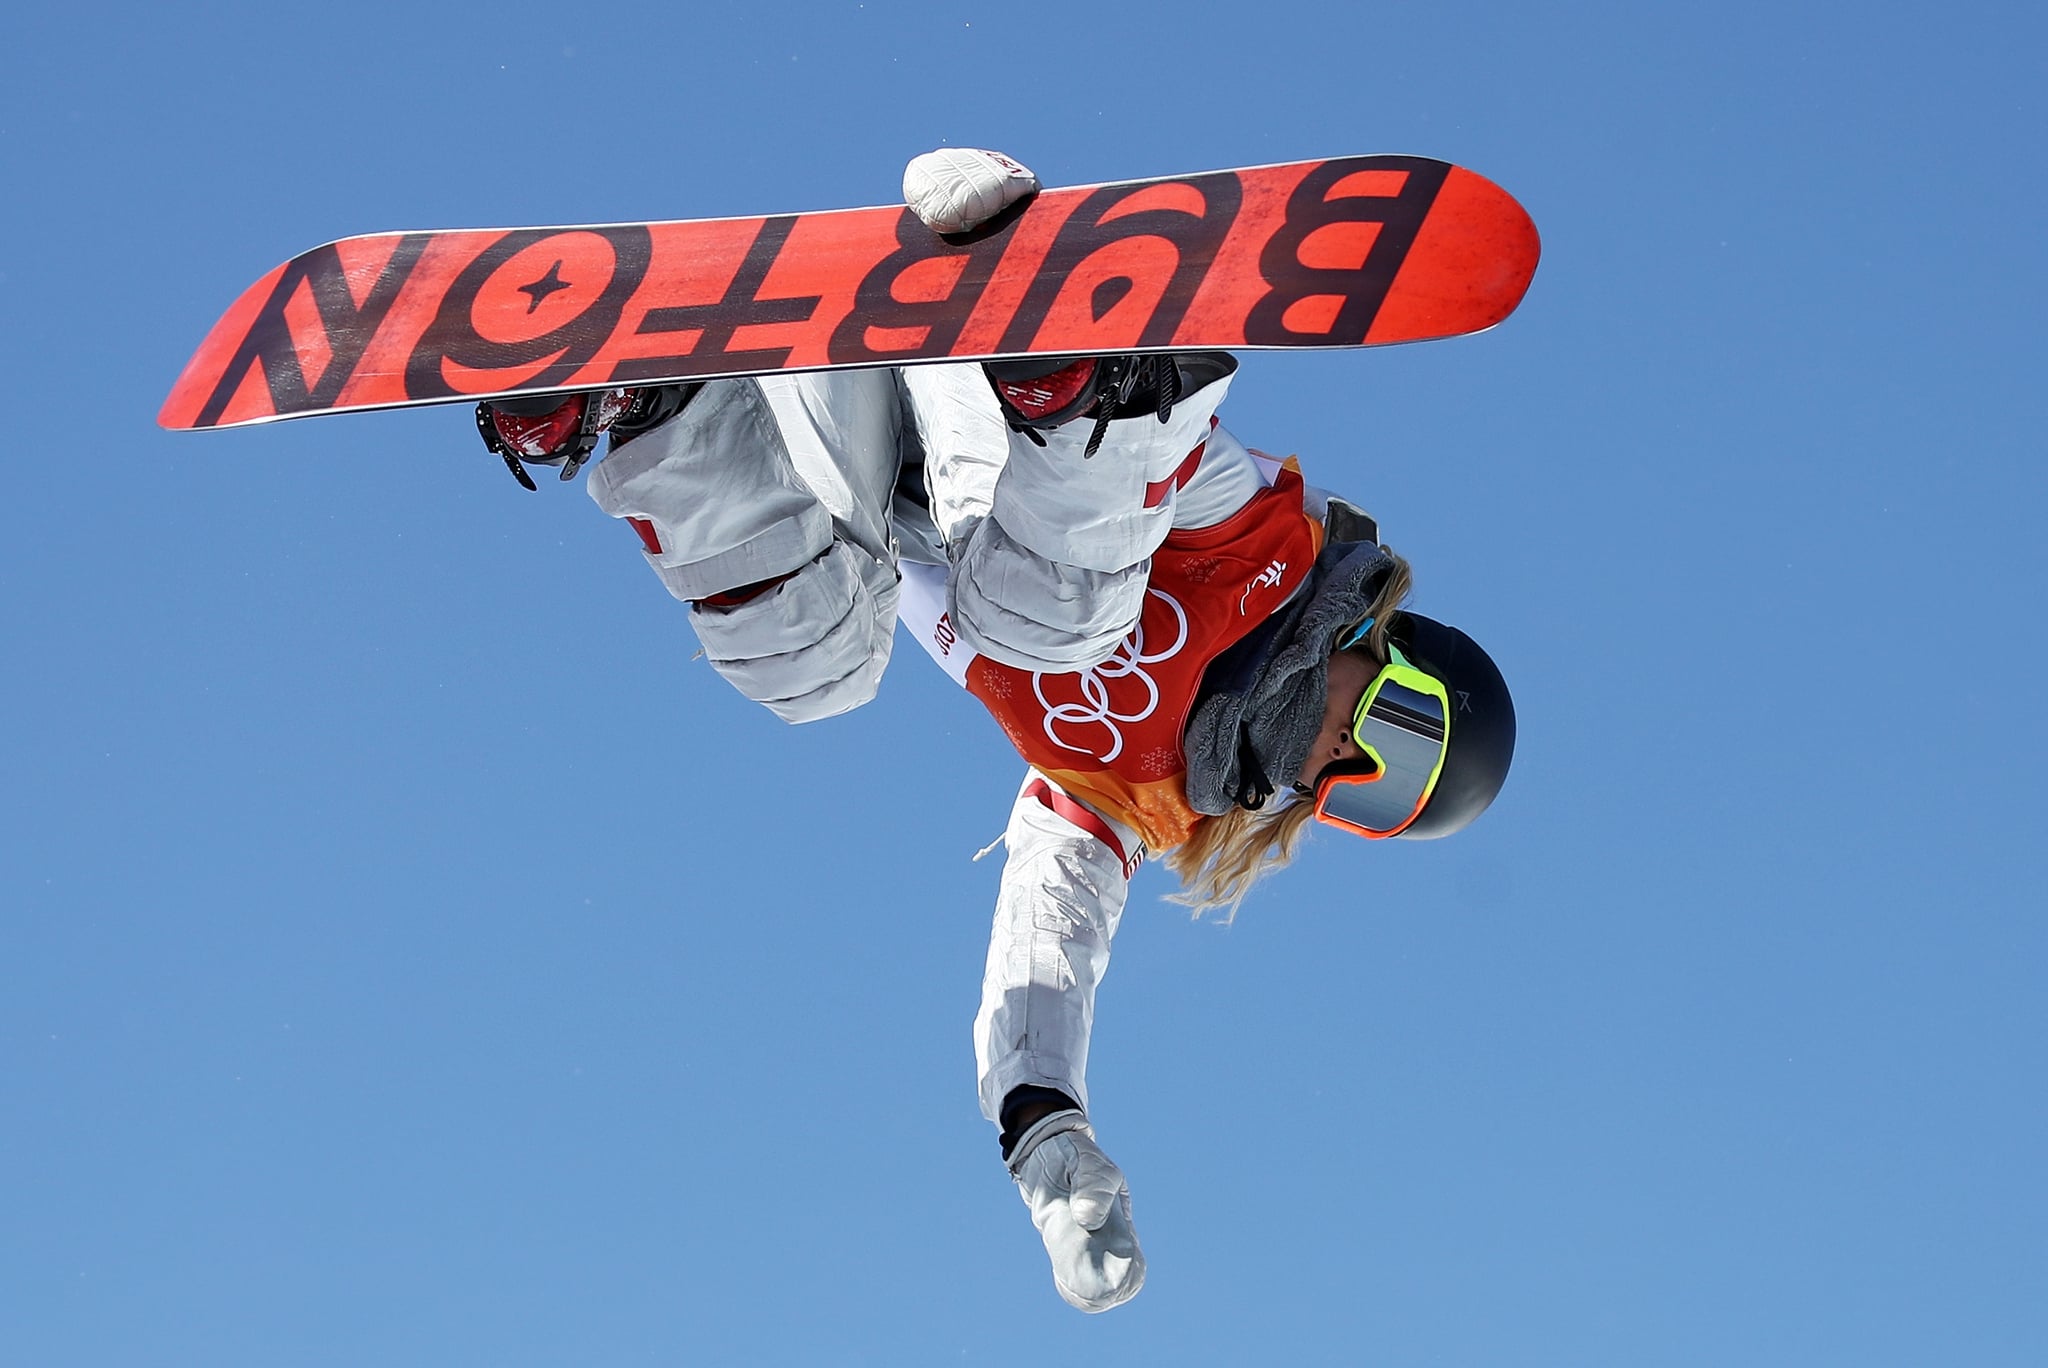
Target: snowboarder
[{"x": 1196, "y": 652}]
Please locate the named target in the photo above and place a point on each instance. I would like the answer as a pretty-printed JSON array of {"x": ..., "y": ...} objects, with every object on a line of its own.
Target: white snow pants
[{"x": 782, "y": 478}]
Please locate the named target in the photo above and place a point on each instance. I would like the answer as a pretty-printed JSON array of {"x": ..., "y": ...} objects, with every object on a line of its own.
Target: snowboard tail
[{"x": 1349, "y": 252}]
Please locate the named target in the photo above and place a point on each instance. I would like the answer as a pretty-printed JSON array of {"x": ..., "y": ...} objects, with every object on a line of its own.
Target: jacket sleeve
[
  {"x": 1064, "y": 883},
  {"x": 1050, "y": 548},
  {"x": 764, "y": 504}
]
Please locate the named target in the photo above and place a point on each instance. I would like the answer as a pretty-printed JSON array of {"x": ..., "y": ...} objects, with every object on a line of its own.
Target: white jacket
[{"x": 794, "y": 478}]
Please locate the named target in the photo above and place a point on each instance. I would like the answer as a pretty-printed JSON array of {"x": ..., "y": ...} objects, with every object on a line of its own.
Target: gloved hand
[
  {"x": 956, "y": 189},
  {"x": 1082, "y": 1207}
]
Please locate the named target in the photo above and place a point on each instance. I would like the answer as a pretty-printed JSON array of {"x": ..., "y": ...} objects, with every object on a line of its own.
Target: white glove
[
  {"x": 956, "y": 189},
  {"x": 1082, "y": 1207}
]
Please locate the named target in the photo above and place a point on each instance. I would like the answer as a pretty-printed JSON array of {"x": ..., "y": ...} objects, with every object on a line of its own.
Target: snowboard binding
[
  {"x": 1038, "y": 394},
  {"x": 562, "y": 429}
]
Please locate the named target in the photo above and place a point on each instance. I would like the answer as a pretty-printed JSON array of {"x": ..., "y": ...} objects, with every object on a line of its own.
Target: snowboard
[{"x": 1345, "y": 252}]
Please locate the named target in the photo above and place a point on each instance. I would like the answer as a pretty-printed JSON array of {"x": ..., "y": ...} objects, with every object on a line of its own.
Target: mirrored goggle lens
[{"x": 1405, "y": 730}]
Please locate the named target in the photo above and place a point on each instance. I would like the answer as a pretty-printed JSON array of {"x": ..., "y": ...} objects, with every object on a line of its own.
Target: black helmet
[{"x": 1482, "y": 722}]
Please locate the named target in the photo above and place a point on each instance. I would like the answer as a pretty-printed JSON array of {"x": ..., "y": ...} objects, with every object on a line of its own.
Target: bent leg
[{"x": 765, "y": 506}]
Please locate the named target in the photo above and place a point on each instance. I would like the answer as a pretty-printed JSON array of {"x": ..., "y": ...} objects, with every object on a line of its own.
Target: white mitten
[
  {"x": 1082, "y": 1207},
  {"x": 959, "y": 188}
]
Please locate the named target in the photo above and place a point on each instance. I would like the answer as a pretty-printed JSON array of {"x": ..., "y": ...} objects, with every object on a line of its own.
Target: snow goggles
[{"x": 1403, "y": 724}]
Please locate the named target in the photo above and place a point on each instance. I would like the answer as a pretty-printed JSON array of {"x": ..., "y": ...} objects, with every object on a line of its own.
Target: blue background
[{"x": 408, "y": 955}]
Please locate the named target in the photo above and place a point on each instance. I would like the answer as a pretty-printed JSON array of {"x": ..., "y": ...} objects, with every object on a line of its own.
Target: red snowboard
[{"x": 1351, "y": 252}]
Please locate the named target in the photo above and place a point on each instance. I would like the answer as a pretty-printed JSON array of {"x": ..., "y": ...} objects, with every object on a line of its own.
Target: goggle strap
[{"x": 1356, "y": 634}]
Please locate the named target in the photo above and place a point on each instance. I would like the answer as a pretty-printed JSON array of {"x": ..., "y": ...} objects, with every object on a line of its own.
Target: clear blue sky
[{"x": 408, "y": 956}]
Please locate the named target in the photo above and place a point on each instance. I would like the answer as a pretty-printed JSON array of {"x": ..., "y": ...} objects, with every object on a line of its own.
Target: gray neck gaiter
[{"x": 1251, "y": 730}]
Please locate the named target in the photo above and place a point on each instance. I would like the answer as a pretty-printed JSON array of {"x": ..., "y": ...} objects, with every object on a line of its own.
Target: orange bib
[{"x": 1112, "y": 734}]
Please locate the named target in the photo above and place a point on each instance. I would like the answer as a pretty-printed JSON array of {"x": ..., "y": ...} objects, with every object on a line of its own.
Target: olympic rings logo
[{"x": 1095, "y": 708}]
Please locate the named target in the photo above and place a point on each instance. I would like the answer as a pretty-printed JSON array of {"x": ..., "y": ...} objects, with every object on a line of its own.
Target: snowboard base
[{"x": 1348, "y": 252}]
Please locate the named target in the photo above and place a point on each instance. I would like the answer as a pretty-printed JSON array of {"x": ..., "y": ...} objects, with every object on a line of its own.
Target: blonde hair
[{"x": 1225, "y": 856}]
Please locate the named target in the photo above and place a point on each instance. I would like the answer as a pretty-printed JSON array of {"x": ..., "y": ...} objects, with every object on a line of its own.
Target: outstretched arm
[
  {"x": 1063, "y": 891},
  {"x": 1064, "y": 883}
]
